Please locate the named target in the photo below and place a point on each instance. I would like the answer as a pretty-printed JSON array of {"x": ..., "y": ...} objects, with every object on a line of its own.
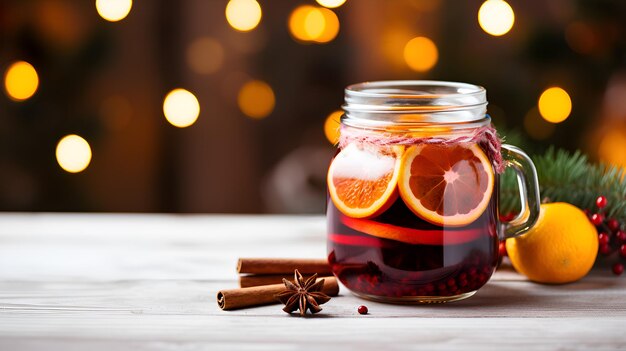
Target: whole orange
[{"x": 560, "y": 248}]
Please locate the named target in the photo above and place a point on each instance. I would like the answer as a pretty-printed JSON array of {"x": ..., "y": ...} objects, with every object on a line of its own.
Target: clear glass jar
[{"x": 413, "y": 192}]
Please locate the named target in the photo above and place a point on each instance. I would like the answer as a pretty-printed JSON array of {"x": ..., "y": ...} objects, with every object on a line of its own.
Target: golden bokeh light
[
  {"x": 392, "y": 41},
  {"x": 421, "y": 54},
  {"x": 181, "y": 108},
  {"x": 256, "y": 99},
  {"x": 555, "y": 105},
  {"x": 113, "y": 10},
  {"x": 612, "y": 146},
  {"x": 313, "y": 24},
  {"x": 331, "y": 27},
  {"x": 296, "y": 22},
  {"x": 536, "y": 127},
  {"x": 331, "y": 126},
  {"x": 331, "y": 3},
  {"x": 205, "y": 55},
  {"x": 73, "y": 153},
  {"x": 496, "y": 17},
  {"x": 20, "y": 81},
  {"x": 243, "y": 15}
]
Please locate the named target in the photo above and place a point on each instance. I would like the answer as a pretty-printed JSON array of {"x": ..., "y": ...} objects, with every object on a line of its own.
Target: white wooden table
[{"x": 148, "y": 282}]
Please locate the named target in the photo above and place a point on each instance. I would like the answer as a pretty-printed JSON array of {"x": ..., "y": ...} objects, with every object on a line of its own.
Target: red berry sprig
[
  {"x": 613, "y": 224},
  {"x": 610, "y": 236},
  {"x": 603, "y": 239},
  {"x": 601, "y": 202},
  {"x": 618, "y": 268},
  {"x": 597, "y": 219}
]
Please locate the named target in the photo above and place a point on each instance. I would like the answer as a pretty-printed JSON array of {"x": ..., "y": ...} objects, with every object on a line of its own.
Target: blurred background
[{"x": 231, "y": 106}]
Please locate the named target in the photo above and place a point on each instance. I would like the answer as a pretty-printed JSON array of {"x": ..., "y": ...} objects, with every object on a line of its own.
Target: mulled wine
[
  {"x": 413, "y": 188},
  {"x": 449, "y": 261}
]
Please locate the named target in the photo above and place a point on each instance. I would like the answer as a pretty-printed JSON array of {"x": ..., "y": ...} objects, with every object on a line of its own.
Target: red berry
[
  {"x": 603, "y": 239},
  {"x": 502, "y": 249},
  {"x": 605, "y": 249},
  {"x": 507, "y": 217},
  {"x": 613, "y": 224},
  {"x": 622, "y": 250},
  {"x": 362, "y": 309},
  {"x": 601, "y": 201},
  {"x": 597, "y": 218},
  {"x": 621, "y": 236},
  {"x": 618, "y": 268}
]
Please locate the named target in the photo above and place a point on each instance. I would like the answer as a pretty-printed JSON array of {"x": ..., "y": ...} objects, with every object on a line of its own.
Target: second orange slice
[{"x": 446, "y": 185}]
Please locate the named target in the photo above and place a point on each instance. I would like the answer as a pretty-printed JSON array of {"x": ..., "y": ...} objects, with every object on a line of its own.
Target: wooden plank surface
[{"x": 148, "y": 282}]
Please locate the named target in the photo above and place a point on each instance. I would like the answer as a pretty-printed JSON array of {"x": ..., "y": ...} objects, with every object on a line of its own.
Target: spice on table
[
  {"x": 303, "y": 294},
  {"x": 249, "y": 280},
  {"x": 362, "y": 309},
  {"x": 263, "y": 295},
  {"x": 283, "y": 266}
]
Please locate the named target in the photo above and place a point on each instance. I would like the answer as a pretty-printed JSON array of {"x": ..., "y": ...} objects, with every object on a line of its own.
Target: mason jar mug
[{"x": 412, "y": 210}]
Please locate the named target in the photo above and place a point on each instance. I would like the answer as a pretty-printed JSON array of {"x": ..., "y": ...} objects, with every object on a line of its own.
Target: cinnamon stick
[
  {"x": 246, "y": 281},
  {"x": 263, "y": 295},
  {"x": 283, "y": 266}
]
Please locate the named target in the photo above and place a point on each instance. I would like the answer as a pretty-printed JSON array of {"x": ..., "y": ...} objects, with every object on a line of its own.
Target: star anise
[{"x": 302, "y": 295}]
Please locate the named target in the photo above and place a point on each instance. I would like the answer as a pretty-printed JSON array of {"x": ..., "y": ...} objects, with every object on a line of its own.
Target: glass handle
[{"x": 528, "y": 191}]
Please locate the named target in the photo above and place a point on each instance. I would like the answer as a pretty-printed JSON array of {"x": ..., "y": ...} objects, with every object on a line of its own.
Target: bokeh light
[
  {"x": 612, "y": 146},
  {"x": 313, "y": 24},
  {"x": 536, "y": 127},
  {"x": 243, "y": 15},
  {"x": 296, "y": 22},
  {"x": 205, "y": 55},
  {"x": 73, "y": 153},
  {"x": 256, "y": 99},
  {"x": 421, "y": 54},
  {"x": 581, "y": 38},
  {"x": 331, "y": 126},
  {"x": 20, "y": 81},
  {"x": 61, "y": 24},
  {"x": 391, "y": 43},
  {"x": 331, "y": 26},
  {"x": 181, "y": 108},
  {"x": 496, "y": 17},
  {"x": 113, "y": 10},
  {"x": 555, "y": 105},
  {"x": 331, "y": 3}
]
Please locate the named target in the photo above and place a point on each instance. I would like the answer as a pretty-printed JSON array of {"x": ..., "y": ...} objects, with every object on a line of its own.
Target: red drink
[
  {"x": 450, "y": 261},
  {"x": 413, "y": 190}
]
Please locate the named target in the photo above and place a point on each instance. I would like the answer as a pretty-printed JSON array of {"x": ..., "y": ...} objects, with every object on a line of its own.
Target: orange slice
[
  {"x": 446, "y": 185},
  {"x": 411, "y": 236},
  {"x": 362, "y": 179}
]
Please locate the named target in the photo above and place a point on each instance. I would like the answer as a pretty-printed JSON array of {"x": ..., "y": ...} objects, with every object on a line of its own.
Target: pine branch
[{"x": 574, "y": 179}]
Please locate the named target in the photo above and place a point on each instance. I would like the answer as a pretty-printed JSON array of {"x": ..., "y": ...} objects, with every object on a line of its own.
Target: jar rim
[
  {"x": 416, "y": 101},
  {"x": 399, "y": 88}
]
